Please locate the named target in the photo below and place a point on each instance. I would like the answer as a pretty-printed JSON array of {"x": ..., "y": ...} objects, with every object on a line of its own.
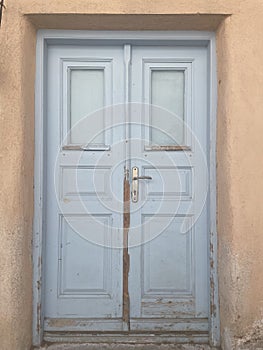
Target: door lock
[{"x": 135, "y": 183}]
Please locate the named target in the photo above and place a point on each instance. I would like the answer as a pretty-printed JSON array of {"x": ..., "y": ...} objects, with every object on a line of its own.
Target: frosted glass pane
[
  {"x": 167, "y": 92},
  {"x": 86, "y": 97}
]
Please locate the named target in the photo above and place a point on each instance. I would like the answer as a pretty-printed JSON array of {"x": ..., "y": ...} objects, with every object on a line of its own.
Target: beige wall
[{"x": 239, "y": 143}]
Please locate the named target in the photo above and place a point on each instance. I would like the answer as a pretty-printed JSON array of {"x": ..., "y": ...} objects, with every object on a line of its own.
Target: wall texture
[{"x": 239, "y": 29}]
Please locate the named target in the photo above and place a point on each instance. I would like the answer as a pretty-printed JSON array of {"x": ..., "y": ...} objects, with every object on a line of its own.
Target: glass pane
[
  {"x": 167, "y": 122},
  {"x": 86, "y": 97}
]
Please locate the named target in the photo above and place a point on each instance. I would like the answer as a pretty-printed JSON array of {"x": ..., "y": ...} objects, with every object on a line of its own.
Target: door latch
[{"x": 135, "y": 183}]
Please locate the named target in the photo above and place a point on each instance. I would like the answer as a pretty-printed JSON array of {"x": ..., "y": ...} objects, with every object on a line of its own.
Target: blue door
[{"x": 136, "y": 115}]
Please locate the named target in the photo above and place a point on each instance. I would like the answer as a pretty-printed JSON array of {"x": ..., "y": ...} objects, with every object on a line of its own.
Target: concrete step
[{"x": 114, "y": 346}]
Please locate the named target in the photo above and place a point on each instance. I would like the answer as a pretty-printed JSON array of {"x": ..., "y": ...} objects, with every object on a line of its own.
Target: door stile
[
  {"x": 126, "y": 258},
  {"x": 126, "y": 195}
]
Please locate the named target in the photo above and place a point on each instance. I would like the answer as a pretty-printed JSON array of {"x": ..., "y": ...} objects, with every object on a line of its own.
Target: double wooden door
[{"x": 135, "y": 116}]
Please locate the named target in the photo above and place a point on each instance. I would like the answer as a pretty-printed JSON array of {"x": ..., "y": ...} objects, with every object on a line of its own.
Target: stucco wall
[{"x": 239, "y": 29}]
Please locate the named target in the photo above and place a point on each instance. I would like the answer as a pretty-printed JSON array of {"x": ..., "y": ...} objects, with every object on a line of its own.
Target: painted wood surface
[{"x": 169, "y": 193}]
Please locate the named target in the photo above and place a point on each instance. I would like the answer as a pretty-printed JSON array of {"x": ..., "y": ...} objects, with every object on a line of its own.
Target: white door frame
[{"x": 47, "y": 37}]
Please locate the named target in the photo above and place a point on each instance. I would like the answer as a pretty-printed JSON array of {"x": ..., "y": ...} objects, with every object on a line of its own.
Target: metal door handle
[
  {"x": 142, "y": 178},
  {"x": 135, "y": 183}
]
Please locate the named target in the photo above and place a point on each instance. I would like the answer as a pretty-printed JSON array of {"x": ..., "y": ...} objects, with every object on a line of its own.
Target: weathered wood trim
[
  {"x": 214, "y": 335},
  {"x": 167, "y": 148},
  {"x": 39, "y": 184},
  {"x": 84, "y": 325},
  {"x": 126, "y": 258},
  {"x": 134, "y": 338},
  {"x": 85, "y": 148}
]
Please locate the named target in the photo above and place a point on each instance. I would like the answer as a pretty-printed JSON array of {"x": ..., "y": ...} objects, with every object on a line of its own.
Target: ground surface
[
  {"x": 124, "y": 347},
  {"x": 249, "y": 346}
]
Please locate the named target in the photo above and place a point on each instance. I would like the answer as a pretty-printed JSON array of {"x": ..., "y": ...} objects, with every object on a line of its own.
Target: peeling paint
[
  {"x": 213, "y": 307},
  {"x": 126, "y": 258},
  {"x": 39, "y": 322}
]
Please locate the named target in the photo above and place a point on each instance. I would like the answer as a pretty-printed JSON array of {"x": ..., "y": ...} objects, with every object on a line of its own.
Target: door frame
[{"x": 47, "y": 37}]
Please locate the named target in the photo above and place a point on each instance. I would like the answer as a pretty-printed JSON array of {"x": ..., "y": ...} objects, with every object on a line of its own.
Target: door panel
[
  {"x": 167, "y": 92},
  {"x": 83, "y": 219},
  {"x": 86, "y": 96},
  {"x": 168, "y": 276},
  {"x": 166, "y": 259}
]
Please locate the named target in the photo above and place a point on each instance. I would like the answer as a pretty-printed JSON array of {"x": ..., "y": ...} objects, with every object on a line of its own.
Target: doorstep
[{"x": 118, "y": 346}]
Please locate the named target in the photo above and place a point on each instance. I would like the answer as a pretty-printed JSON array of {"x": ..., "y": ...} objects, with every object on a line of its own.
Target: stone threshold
[{"x": 118, "y": 346}]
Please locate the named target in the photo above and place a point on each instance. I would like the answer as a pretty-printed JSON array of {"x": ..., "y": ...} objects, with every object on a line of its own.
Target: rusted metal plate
[
  {"x": 167, "y": 148},
  {"x": 85, "y": 148}
]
